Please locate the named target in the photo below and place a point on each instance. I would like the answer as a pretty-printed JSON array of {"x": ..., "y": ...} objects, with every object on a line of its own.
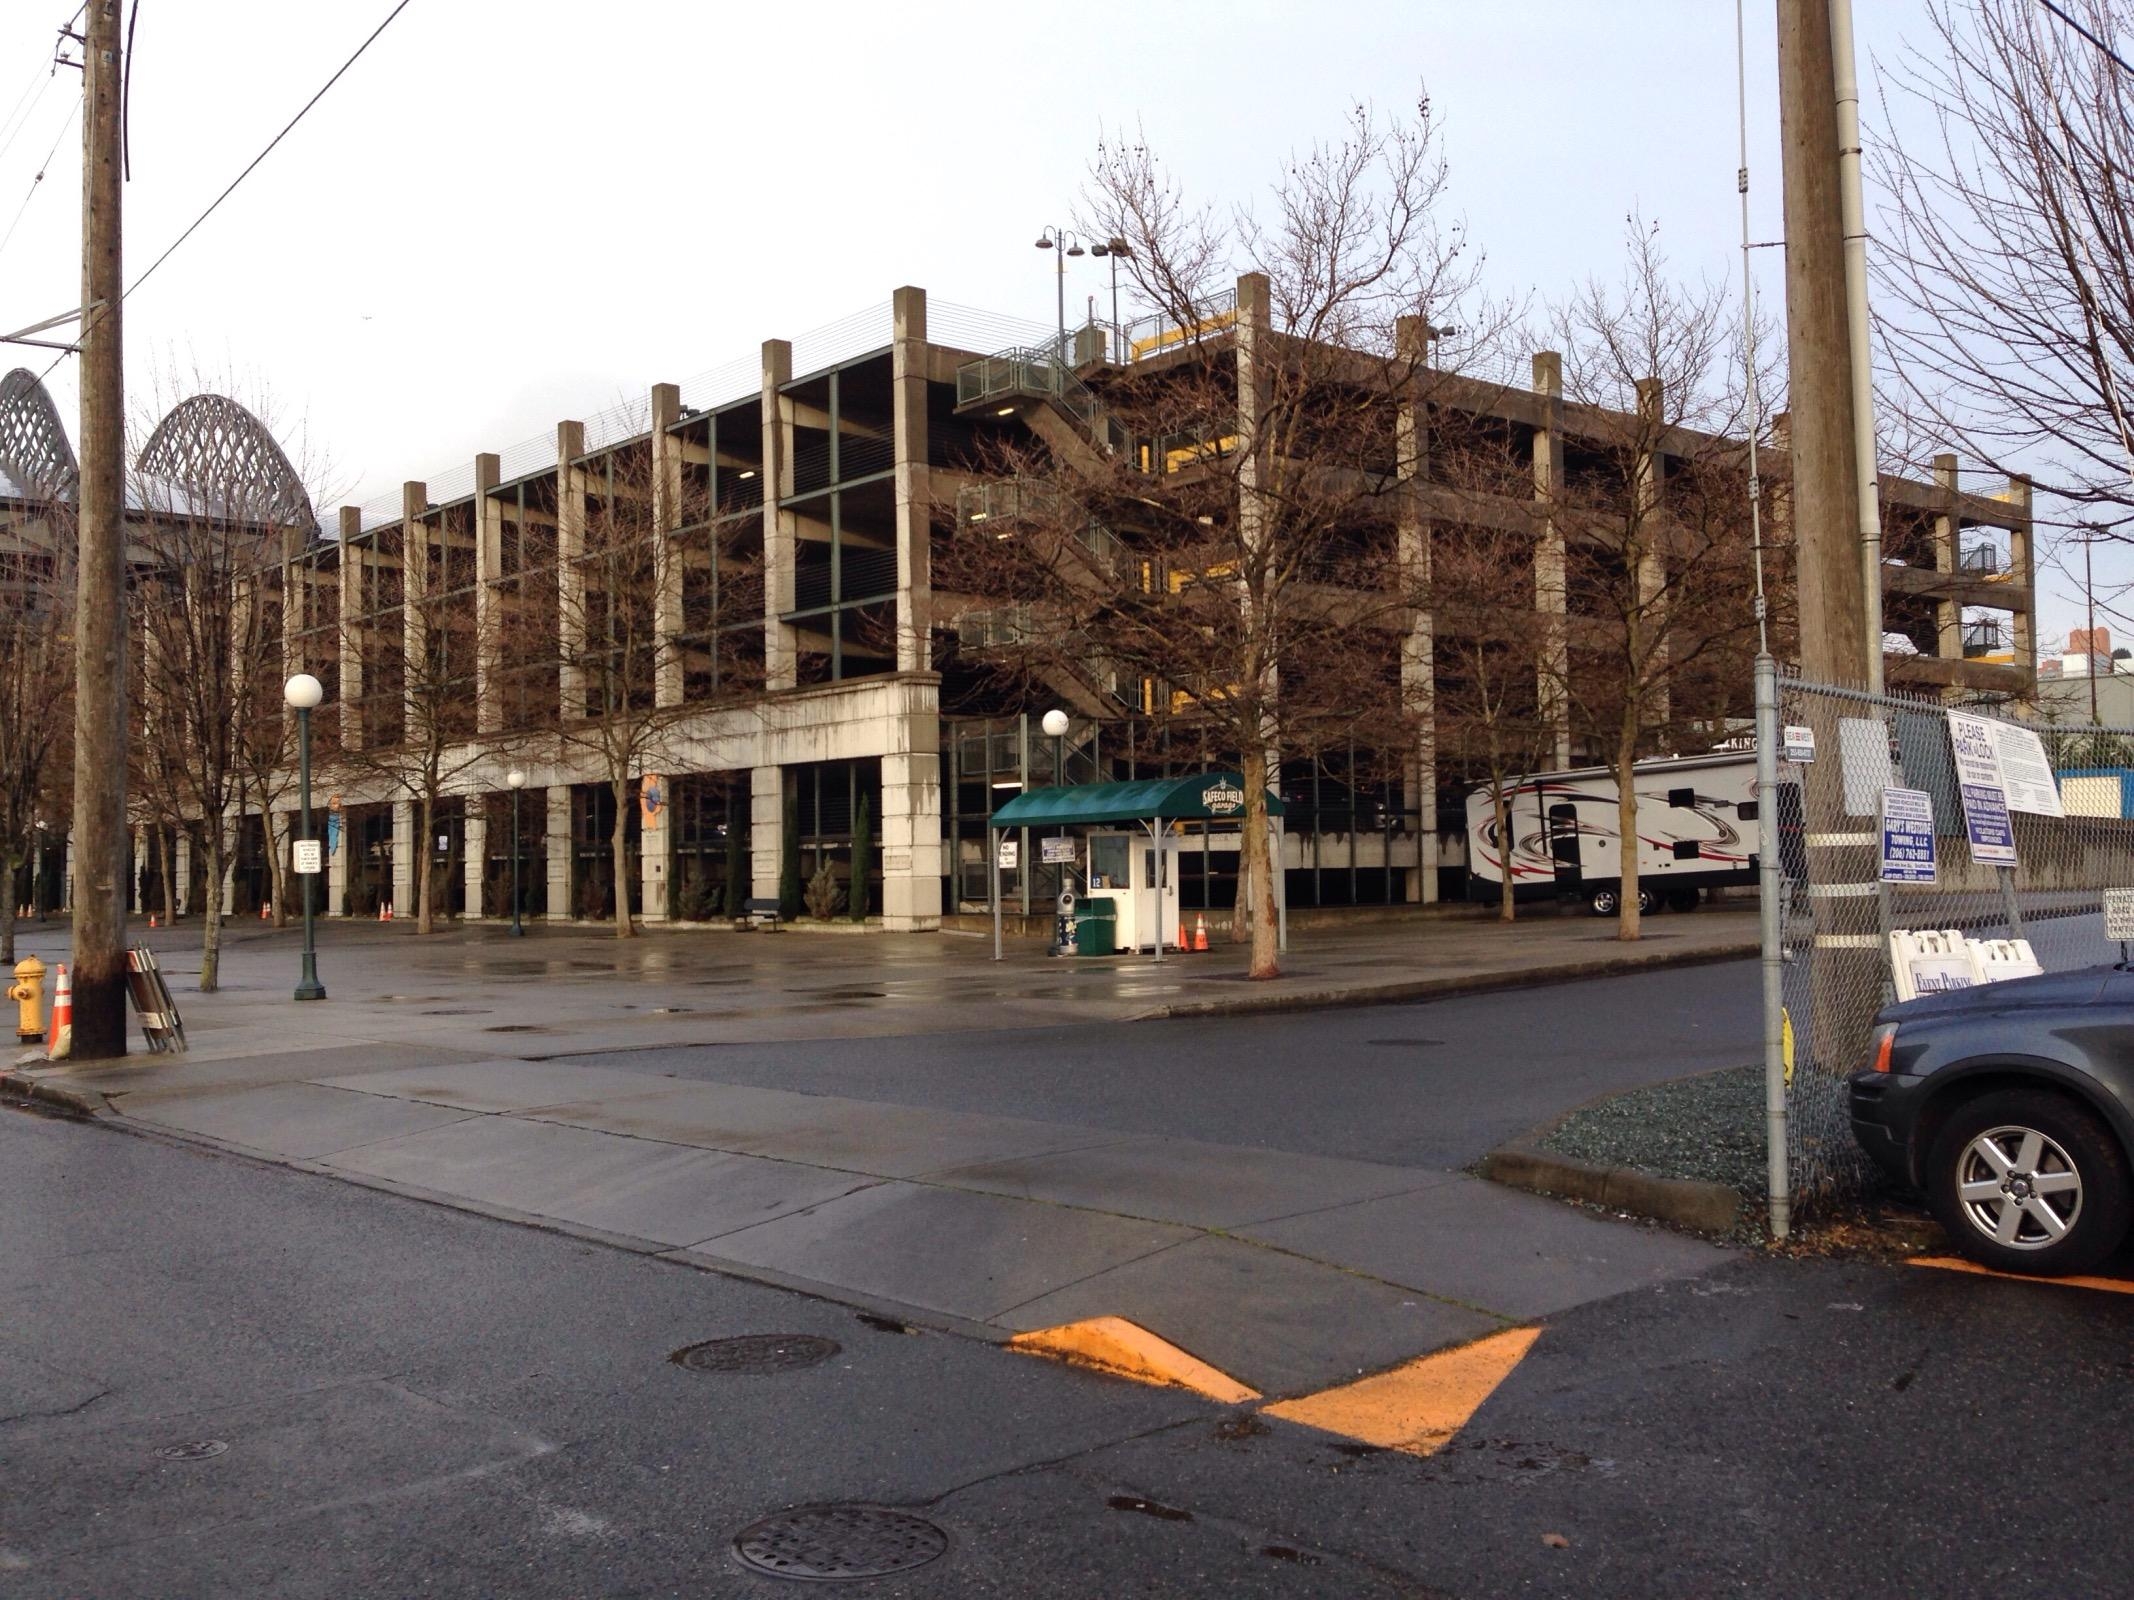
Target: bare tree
[
  {"x": 1656, "y": 551},
  {"x": 36, "y": 692},
  {"x": 2005, "y": 256},
  {"x": 1214, "y": 534},
  {"x": 625, "y": 650}
]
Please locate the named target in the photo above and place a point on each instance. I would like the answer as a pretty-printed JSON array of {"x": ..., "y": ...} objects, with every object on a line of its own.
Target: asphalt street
[
  {"x": 1437, "y": 1084},
  {"x": 220, "y": 1377}
]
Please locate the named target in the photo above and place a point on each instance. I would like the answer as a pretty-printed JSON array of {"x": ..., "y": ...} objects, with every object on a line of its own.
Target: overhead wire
[
  {"x": 24, "y": 109},
  {"x": 37, "y": 182},
  {"x": 194, "y": 226},
  {"x": 2117, "y": 59}
]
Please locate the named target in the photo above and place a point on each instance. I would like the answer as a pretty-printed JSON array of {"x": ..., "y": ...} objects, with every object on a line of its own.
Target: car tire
[
  {"x": 2068, "y": 1223},
  {"x": 1602, "y": 902}
]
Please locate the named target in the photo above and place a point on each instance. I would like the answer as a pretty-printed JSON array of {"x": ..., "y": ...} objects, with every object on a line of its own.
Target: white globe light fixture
[
  {"x": 303, "y": 692},
  {"x": 1055, "y": 723},
  {"x": 515, "y": 778}
]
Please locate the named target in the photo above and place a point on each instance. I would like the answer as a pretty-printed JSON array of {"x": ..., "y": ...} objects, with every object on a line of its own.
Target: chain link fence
[{"x": 1894, "y": 812}]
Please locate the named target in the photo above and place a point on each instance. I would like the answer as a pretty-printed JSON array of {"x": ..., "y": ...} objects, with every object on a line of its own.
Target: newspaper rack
[{"x": 160, "y": 1022}]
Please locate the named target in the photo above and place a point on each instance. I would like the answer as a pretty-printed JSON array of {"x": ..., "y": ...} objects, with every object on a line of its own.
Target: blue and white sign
[
  {"x": 1984, "y": 788},
  {"x": 1907, "y": 836}
]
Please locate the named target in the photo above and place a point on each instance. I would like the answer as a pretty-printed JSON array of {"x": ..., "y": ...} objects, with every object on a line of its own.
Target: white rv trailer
[{"x": 1696, "y": 827}]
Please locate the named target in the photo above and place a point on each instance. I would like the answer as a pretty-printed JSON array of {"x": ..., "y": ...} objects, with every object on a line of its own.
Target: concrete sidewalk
[{"x": 1286, "y": 1271}]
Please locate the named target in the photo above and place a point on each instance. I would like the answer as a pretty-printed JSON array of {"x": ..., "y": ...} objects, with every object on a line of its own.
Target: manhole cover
[
  {"x": 1405, "y": 1042},
  {"x": 457, "y": 1011},
  {"x": 193, "y": 1450},
  {"x": 515, "y": 1027},
  {"x": 839, "y": 1542},
  {"x": 756, "y": 1352}
]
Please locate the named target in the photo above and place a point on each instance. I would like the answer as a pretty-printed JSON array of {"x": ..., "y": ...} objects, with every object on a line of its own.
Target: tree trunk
[
  {"x": 277, "y": 864},
  {"x": 211, "y": 925},
  {"x": 625, "y": 928},
  {"x": 1503, "y": 806},
  {"x": 425, "y": 920},
  {"x": 1626, "y": 827},
  {"x": 1259, "y": 870},
  {"x": 8, "y": 864}
]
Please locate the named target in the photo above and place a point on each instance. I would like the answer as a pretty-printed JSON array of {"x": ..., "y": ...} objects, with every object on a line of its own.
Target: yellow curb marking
[
  {"x": 1953, "y": 1264},
  {"x": 1418, "y": 1407},
  {"x": 1125, "y": 1350}
]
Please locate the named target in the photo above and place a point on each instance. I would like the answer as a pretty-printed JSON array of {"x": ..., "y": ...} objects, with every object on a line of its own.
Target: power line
[
  {"x": 194, "y": 226},
  {"x": 2118, "y": 60},
  {"x": 25, "y": 108},
  {"x": 37, "y": 182}
]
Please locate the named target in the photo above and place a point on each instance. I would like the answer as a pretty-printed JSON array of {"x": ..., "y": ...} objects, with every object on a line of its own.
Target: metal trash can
[{"x": 1096, "y": 928}]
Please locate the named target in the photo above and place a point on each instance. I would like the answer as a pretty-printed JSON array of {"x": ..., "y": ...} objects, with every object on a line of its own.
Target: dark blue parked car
[{"x": 2012, "y": 1105}]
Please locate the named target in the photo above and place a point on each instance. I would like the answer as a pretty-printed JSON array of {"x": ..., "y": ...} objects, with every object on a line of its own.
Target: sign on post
[
  {"x": 1984, "y": 788},
  {"x": 1057, "y": 851},
  {"x": 307, "y": 856},
  {"x": 1009, "y": 854},
  {"x": 1907, "y": 836},
  {"x": 2119, "y": 914},
  {"x": 1798, "y": 745}
]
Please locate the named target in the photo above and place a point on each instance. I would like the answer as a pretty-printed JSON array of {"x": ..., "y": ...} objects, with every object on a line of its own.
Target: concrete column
[
  {"x": 66, "y": 880},
  {"x": 1649, "y": 486},
  {"x": 560, "y": 908},
  {"x": 476, "y": 829},
  {"x": 134, "y": 908},
  {"x": 914, "y": 481},
  {"x": 766, "y": 830},
  {"x": 913, "y": 853},
  {"x": 1549, "y": 596},
  {"x": 781, "y": 530},
  {"x": 354, "y": 558},
  {"x": 405, "y": 844},
  {"x": 570, "y": 576},
  {"x": 488, "y": 568},
  {"x": 667, "y": 621},
  {"x": 1418, "y": 646},
  {"x": 1948, "y": 561},
  {"x": 2022, "y": 570},
  {"x": 655, "y": 866},
  {"x": 336, "y": 871},
  {"x": 182, "y": 873},
  {"x": 414, "y": 610}
]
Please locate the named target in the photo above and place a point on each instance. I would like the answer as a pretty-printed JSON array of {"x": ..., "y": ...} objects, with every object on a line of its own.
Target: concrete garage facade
[{"x": 808, "y": 668}]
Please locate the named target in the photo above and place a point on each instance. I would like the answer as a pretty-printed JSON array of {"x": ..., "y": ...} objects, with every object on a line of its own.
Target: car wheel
[
  {"x": 2026, "y": 1180},
  {"x": 1602, "y": 902}
]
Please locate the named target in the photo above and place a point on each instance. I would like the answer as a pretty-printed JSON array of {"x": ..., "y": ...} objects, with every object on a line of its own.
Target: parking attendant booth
[{"x": 1135, "y": 860}]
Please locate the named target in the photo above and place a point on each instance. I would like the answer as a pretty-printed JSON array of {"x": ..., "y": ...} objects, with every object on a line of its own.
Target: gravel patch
[{"x": 1709, "y": 1127}]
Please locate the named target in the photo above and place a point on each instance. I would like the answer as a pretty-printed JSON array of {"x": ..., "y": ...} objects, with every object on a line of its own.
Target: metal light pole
[
  {"x": 517, "y": 780},
  {"x": 1055, "y": 724},
  {"x": 1117, "y": 250},
  {"x": 1062, "y": 241},
  {"x": 302, "y": 692}
]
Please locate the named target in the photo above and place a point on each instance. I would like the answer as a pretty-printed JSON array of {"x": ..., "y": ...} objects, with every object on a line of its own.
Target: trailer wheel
[
  {"x": 1603, "y": 902},
  {"x": 1682, "y": 899}
]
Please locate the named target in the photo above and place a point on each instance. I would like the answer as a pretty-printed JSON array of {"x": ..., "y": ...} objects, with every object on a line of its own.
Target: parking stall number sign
[{"x": 1907, "y": 836}]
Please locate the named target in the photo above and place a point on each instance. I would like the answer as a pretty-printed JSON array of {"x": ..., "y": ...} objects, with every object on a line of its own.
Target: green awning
[{"x": 1196, "y": 797}]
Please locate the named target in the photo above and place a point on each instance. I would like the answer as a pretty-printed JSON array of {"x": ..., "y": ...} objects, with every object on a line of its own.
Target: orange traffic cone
[
  {"x": 59, "y": 1042},
  {"x": 151, "y": 919},
  {"x": 1200, "y": 931},
  {"x": 263, "y": 911}
]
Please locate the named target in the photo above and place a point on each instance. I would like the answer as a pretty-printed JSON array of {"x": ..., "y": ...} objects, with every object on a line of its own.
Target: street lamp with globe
[
  {"x": 303, "y": 693},
  {"x": 517, "y": 780}
]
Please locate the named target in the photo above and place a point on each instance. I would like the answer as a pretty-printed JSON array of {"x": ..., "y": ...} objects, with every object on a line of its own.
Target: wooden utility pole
[
  {"x": 1818, "y": 357},
  {"x": 100, "y": 609}
]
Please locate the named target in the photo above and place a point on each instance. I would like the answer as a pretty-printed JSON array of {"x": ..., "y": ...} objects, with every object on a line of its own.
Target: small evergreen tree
[{"x": 862, "y": 858}]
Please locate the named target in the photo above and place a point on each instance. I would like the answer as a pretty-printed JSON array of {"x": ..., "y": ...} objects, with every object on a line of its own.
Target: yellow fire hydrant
[{"x": 28, "y": 993}]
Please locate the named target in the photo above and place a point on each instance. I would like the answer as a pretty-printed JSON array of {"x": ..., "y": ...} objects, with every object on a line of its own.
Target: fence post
[
  {"x": 2010, "y": 903},
  {"x": 1772, "y": 932}
]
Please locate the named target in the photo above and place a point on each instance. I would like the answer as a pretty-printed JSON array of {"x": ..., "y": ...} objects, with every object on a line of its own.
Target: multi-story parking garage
[{"x": 805, "y": 673}]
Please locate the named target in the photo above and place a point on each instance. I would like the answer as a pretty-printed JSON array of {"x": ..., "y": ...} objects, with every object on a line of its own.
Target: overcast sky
[{"x": 509, "y": 214}]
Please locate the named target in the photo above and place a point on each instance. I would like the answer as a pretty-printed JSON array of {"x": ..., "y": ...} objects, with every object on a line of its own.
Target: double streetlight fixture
[
  {"x": 303, "y": 693},
  {"x": 1114, "y": 250}
]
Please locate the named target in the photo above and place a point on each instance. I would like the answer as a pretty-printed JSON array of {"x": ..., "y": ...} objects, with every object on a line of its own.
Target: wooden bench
[{"x": 764, "y": 913}]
